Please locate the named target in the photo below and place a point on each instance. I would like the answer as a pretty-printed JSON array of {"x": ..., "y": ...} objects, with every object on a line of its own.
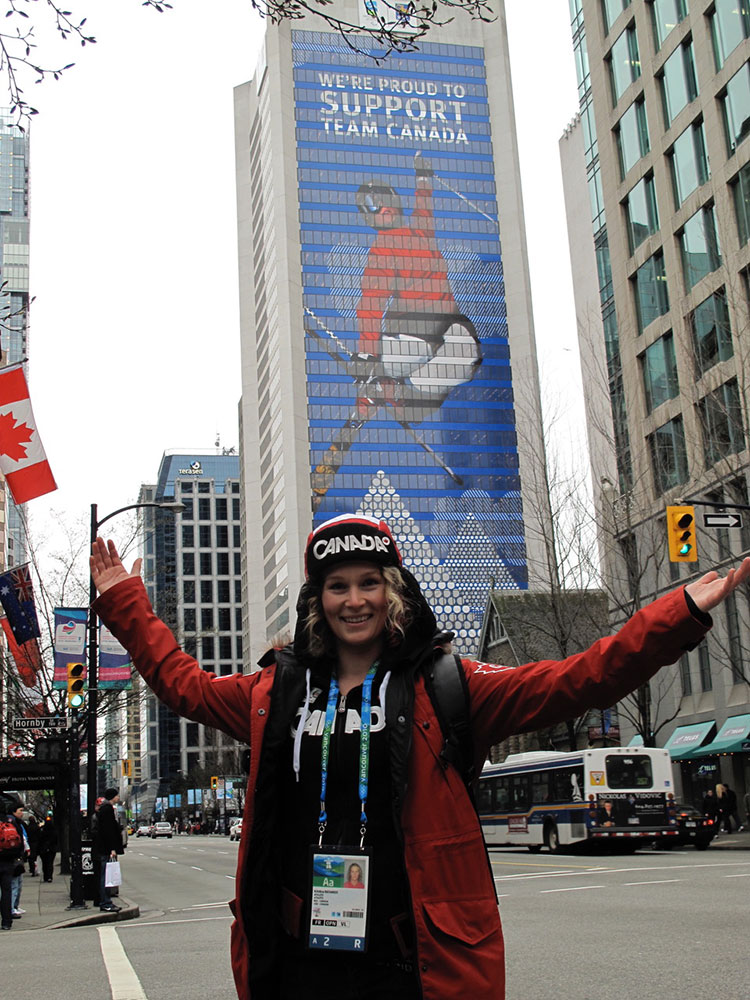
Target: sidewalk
[
  {"x": 46, "y": 905},
  {"x": 731, "y": 841}
]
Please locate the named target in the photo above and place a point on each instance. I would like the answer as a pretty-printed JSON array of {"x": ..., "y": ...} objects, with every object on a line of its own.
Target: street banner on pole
[
  {"x": 70, "y": 642},
  {"x": 115, "y": 667}
]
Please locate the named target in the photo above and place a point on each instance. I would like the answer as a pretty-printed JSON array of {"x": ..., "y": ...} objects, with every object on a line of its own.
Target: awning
[
  {"x": 733, "y": 737},
  {"x": 685, "y": 740},
  {"x": 637, "y": 741}
]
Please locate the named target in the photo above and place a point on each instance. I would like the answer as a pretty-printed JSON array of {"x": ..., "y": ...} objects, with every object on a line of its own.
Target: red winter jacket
[{"x": 459, "y": 938}]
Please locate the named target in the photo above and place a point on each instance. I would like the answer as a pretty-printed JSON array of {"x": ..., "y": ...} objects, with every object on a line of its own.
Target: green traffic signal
[{"x": 76, "y": 684}]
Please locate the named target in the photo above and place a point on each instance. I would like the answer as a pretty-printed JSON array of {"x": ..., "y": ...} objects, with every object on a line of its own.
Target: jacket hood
[{"x": 420, "y": 630}]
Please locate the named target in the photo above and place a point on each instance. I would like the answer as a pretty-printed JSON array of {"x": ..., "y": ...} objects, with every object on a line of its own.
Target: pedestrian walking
[
  {"x": 12, "y": 852},
  {"x": 711, "y": 806},
  {"x": 48, "y": 847},
  {"x": 20, "y": 867},
  {"x": 107, "y": 844},
  {"x": 731, "y": 808},
  {"x": 32, "y": 831},
  {"x": 746, "y": 801},
  {"x": 346, "y": 766},
  {"x": 721, "y": 804}
]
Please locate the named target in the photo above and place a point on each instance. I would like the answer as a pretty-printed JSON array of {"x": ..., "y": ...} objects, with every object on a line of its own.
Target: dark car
[{"x": 693, "y": 826}]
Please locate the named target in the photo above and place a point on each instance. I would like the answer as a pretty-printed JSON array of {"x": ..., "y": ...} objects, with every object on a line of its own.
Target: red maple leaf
[{"x": 13, "y": 436}]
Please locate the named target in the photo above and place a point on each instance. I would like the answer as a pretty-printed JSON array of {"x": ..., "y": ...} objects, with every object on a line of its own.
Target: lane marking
[
  {"x": 123, "y": 981},
  {"x": 620, "y": 871},
  {"x": 656, "y": 881},
  {"x": 171, "y": 862},
  {"x": 231, "y": 876},
  {"x": 135, "y": 924},
  {"x": 743, "y": 875},
  {"x": 572, "y": 888},
  {"x": 196, "y": 868}
]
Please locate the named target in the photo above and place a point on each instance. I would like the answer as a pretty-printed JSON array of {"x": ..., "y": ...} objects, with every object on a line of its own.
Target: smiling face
[{"x": 355, "y": 605}]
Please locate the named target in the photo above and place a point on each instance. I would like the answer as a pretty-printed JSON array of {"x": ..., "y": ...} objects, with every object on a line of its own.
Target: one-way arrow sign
[{"x": 727, "y": 520}]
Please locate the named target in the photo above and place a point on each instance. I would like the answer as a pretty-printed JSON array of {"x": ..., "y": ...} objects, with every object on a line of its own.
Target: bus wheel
[
  {"x": 535, "y": 848},
  {"x": 552, "y": 838}
]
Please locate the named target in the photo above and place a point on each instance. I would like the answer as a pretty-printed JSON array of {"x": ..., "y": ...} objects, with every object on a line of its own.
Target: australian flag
[{"x": 17, "y": 598}]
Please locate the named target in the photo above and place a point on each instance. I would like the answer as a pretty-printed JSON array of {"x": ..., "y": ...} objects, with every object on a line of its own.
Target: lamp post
[{"x": 93, "y": 674}]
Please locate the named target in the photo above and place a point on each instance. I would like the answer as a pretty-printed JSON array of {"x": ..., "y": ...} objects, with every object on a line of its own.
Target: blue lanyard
[{"x": 364, "y": 749}]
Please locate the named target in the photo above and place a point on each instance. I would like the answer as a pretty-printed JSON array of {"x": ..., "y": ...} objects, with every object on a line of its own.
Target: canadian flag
[{"x": 22, "y": 458}]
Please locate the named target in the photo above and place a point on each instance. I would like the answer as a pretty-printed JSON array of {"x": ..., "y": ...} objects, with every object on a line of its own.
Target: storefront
[
  {"x": 727, "y": 757},
  {"x": 695, "y": 777}
]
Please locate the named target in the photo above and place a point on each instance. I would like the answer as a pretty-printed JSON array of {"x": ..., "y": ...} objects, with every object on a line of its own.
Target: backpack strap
[{"x": 449, "y": 693}]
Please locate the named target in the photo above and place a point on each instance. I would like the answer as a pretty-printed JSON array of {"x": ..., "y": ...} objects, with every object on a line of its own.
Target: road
[{"x": 655, "y": 924}]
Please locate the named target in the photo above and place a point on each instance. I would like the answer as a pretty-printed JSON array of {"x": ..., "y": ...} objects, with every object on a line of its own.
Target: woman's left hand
[{"x": 711, "y": 589}]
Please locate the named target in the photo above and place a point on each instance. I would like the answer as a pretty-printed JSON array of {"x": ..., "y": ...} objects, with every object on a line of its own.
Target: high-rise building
[
  {"x": 657, "y": 182},
  {"x": 14, "y": 297},
  {"x": 191, "y": 569},
  {"x": 388, "y": 358}
]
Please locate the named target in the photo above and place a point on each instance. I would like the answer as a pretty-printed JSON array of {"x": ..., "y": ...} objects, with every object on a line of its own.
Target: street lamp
[{"x": 93, "y": 678}]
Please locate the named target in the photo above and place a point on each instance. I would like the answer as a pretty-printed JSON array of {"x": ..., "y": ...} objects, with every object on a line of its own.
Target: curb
[{"x": 129, "y": 912}]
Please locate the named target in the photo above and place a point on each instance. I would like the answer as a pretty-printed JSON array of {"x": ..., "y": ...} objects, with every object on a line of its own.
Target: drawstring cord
[{"x": 301, "y": 726}]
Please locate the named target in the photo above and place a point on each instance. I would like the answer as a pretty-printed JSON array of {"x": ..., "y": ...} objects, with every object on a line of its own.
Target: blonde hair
[{"x": 320, "y": 639}]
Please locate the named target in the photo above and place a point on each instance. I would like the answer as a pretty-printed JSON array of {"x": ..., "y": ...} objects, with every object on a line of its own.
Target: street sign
[
  {"x": 727, "y": 520},
  {"x": 42, "y": 722}
]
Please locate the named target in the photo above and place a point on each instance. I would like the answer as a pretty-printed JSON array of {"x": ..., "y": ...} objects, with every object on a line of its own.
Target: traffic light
[
  {"x": 214, "y": 782},
  {"x": 127, "y": 768},
  {"x": 76, "y": 684},
  {"x": 681, "y": 534}
]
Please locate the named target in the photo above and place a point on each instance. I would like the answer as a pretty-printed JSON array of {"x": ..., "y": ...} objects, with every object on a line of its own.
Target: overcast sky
[{"x": 134, "y": 340}]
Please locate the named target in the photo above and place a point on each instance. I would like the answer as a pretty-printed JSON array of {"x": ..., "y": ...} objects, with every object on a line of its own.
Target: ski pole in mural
[
  {"x": 415, "y": 344},
  {"x": 362, "y": 372}
]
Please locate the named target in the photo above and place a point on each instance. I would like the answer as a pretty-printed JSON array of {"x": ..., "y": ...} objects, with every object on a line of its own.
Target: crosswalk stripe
[{"x": 123, "y": 981}]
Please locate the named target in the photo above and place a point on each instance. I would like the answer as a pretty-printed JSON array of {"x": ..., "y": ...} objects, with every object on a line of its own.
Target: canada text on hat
[{"x": 350, "y": 538}]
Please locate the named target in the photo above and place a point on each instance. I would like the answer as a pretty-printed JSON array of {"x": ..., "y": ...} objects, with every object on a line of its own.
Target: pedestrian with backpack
[
  {"x": 350, "y": 764},
  {"x": 11, "y": 856}
]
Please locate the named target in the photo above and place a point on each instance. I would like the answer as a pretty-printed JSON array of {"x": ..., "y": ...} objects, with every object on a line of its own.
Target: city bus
[{"x": 615, "y": 795}]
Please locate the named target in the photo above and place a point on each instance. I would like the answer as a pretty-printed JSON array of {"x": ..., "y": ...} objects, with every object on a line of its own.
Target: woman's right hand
[{"x": 107, "y": 569}]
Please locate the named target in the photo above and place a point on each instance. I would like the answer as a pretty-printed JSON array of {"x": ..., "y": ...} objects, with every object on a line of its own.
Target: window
[
  {"x": 206, "y": 564},
  {"x": 222, "y": 536},
  {"x": 222, "y": 591},
  {"x": 612, "y": 10},
  {"x": 207, "y": 591},
  {"x": 641, "y": 212},
  {"x": 204, "y": 487},
  {"x": 187, "y": 514},
  {"x": 189, "y": 619},
  {"x": 665, "y": 16},
  {"x": 222, "y": 563},
  {"x": 207, "y": 619},
  {"x": 650, "y": 285},
  {"x": 236, "y": 536},
  {"x": 659, "y": 370},
  {"x": 700, "y": 246},
  {"x": 624, "y": 63},
  {"x": 188, "y": 592},
  {"x": 741, "y": 195},
  {"x": 704, "y": 667},
  {"x": 712, "y": 337},
  {"x": 736, "y": 108},
  {"x": 730, "y": 25},
  {"x": 207, "y": 647},
  {"x": 668, "y": 455},
  {"x": 628, "y": 772},
  {"x": 235, "y": 510},
  {"x": 632, "y": 137},
  {"x": 188, "y": 539},
  {"x": 204, "y": 509},
  {"x": 204, "y": 536},
  {"x": 225, "y": 619},
  {"x": 721, "y": 422},
  {"x": 735, "y": 639},
  {"x": 188, "y": 564},
  {"x": 685, "y": 678},
  {"x": 679, "y": 84},
  {"x": 688, "y": 162}
]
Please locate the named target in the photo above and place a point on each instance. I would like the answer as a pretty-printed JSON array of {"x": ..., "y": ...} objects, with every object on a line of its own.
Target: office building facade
[
  {"x": 388, "y": 358},
  {"x": 191, "y": 568},
  {"x": 14, "y": 298},
  {"x": 656, "y": 168}
]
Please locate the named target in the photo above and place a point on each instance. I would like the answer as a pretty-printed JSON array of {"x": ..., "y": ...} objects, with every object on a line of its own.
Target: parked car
[
  {"x": 235, "y": 830},
  {"x": 161, "y": 830},
  {"x": 694, "y": 828},
  {"x": 144, "y": 830}
]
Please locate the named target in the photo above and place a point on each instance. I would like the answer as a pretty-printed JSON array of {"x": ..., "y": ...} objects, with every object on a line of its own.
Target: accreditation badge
[{"x": 339, "y": 898}]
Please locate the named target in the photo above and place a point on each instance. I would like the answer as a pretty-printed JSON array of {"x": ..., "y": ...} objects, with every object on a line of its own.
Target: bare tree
[{"x": 393, "y": 25}]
